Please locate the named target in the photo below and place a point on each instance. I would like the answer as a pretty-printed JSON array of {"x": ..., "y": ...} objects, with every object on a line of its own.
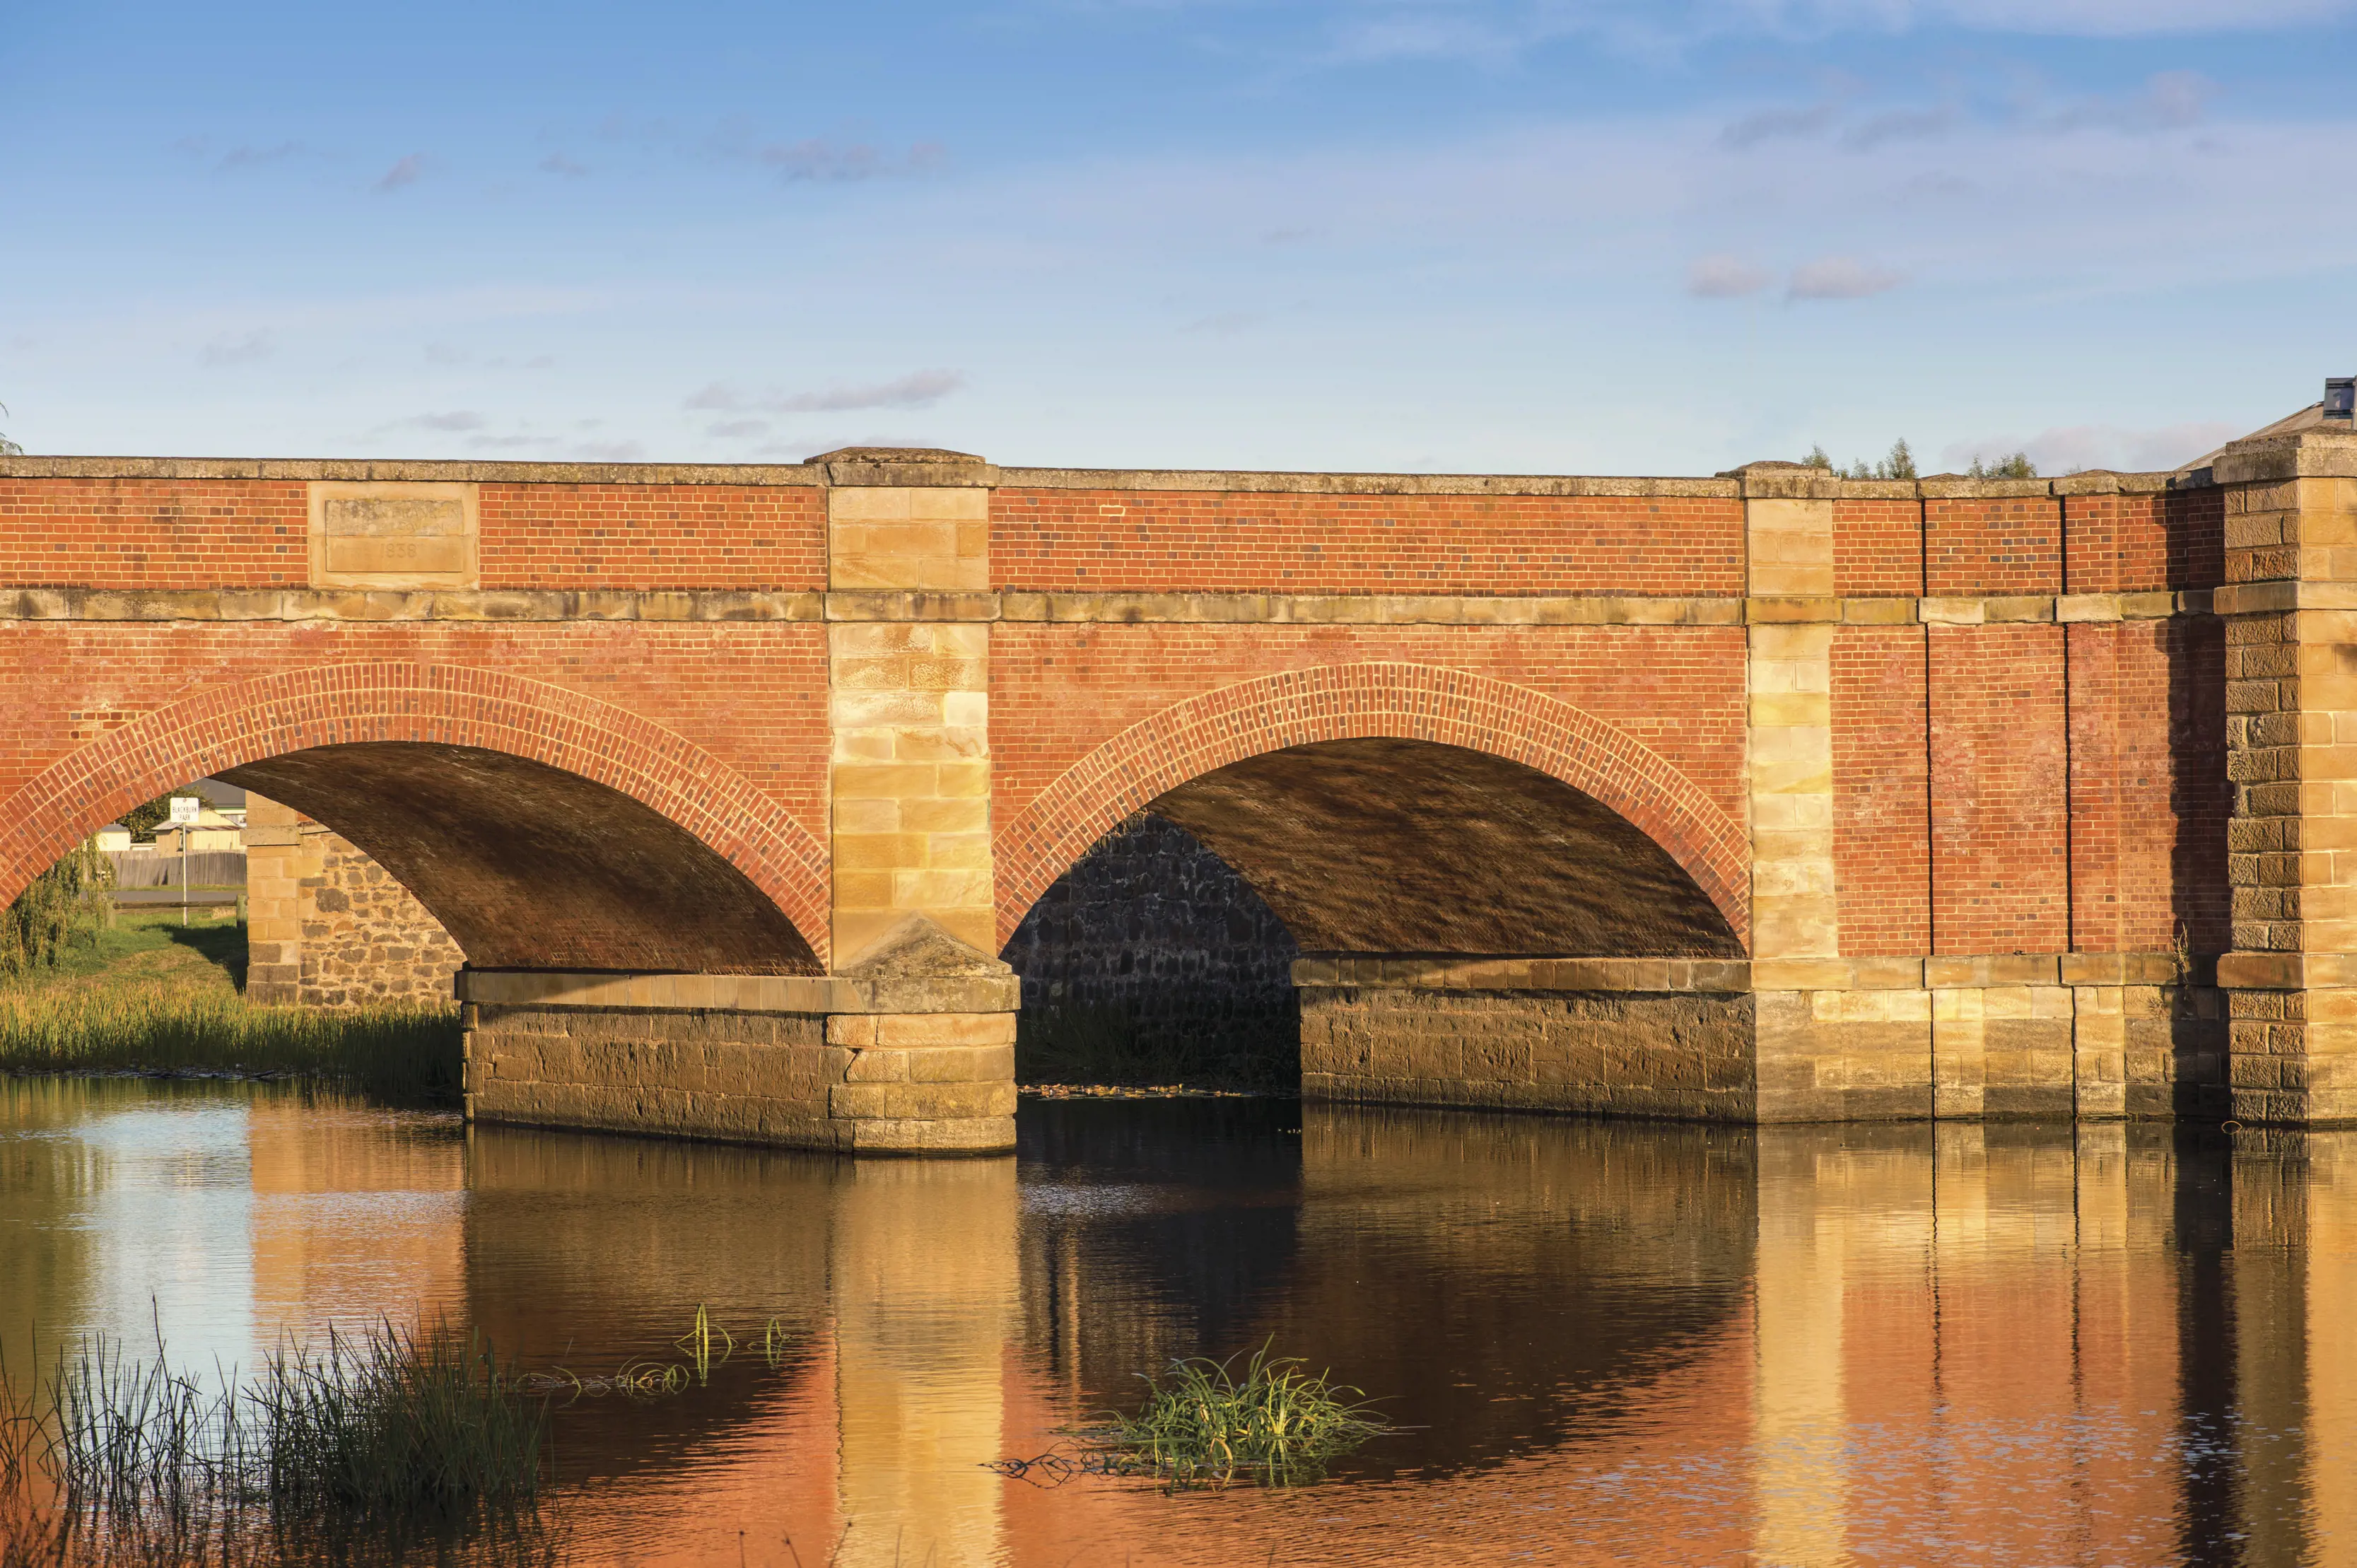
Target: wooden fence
[{"x": 208, "y": 868}]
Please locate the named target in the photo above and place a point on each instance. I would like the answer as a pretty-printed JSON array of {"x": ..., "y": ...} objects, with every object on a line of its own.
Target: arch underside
[
  {"x": 529, "y": 867},
  {"x": 1379, "y": 845},
  {"x": 1408, "y": 808},
  {"x": 598, "y": 839}
]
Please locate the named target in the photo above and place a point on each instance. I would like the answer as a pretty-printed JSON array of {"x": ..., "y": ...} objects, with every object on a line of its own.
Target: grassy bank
[{"x": 150, "y": 995}]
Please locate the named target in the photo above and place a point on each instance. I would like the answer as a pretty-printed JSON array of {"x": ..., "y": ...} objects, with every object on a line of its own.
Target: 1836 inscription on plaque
[{"x": 393, "y": 535}]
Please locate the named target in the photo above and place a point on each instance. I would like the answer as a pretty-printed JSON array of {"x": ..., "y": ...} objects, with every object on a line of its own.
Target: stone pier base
[
  {"x": 1669, "y": 1037},
  {"x": 2084, "y": 1036},
  {"x": 809, "y": 1062}
]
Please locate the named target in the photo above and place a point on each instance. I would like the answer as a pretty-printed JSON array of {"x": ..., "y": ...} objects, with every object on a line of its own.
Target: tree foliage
[
  {"x": 9, "y": 449},
  {"x": 2016, "y": 466},
  {"x": 143, "y": 820},
  {"x": 1898, "y": 463},
  {"x": 65, "y": 906}
]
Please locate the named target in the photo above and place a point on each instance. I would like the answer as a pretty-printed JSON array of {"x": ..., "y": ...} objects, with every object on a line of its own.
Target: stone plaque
[{"x": 389, "y": 534}]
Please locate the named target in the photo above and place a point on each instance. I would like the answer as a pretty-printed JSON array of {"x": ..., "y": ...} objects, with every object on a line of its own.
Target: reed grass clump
[
  {"x": 1207, "y": 1422},
  {"x": 379, "y": 1442},
  {"x": 394, "y": 1421},
  {"x": 401, "y": 1051}
]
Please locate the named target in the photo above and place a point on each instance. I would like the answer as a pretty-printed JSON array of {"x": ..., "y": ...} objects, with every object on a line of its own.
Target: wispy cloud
[
  {"x": 407, "y": 172},
  {"x": 452, "y": 423},
  {"x": 1840, "y": 277},
  {"x": 1725, "y": 276},
  {"x": 239, "y": 349},
  {"x": 559, "y": 164},
  {"x": 1495, "y": 32},
  {"x": 737, "y": 429},
  {"x": 2168, "y": 101},
  {"x": 1768, "y": 125},
  {"x": 243, "y": 157},
  {"x": 1899, "y": 125},
  {"x": 921, "y": 389},
  {"x": 824, "y": 158},
  {"x": 2063, "y": 449}
]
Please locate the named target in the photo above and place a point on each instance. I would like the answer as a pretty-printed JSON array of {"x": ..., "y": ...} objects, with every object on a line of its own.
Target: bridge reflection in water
[{"x": 1668, "y": 1343}]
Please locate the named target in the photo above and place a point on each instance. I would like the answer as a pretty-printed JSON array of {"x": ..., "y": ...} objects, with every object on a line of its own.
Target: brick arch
[
  {"x": 224, "y": 727},
  {"x": 1350, "y": 701}
]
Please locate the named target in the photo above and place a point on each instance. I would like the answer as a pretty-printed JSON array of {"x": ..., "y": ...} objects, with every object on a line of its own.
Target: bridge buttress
[{"x": 2289, "y": 604}]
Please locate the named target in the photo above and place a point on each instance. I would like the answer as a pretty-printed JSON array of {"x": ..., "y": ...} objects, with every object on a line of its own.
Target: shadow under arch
[
  {"x": 544, "y": 829},
  {"x": 1409, "y": 809}
]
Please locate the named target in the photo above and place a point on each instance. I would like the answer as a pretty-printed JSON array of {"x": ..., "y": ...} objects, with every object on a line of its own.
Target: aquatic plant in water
[
  {"x": 706, "y": 1343},
  {"x": 381, "y": 1441},
  {"x": 1205, "y": 1423}
]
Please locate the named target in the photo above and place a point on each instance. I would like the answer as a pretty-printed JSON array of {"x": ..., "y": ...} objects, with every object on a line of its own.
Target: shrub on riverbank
[
  {"x": 65, "y": 906},
  {"x": 395, "y": 1051}
]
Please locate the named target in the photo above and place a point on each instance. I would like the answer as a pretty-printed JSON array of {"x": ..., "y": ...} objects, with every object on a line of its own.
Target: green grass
[
  {"x": 396, "y": 1052},
  {"x": 1095, "y": 1044},
  {"x": 150, "y": 995},
  {"x": 1204, "y": 1422},
  {"x": 379, "y": 1444}
]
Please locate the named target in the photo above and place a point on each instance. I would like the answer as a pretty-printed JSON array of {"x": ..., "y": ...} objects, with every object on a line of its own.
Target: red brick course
[
  {"x": 1878, "y": 547},
  {"x": 1882, "y": 801},
  {"x": 154, "y": 534},
  {"x": 1088, "y": 725},
  {"x": 213, "y": 534},
  {"x": 2115, "y": 545},
  {"x": 1207, "y": 541},
  {"x": 2149, "y": 795},
  {"x": 1999, "y": 859},
  {"x": 653, "y": 536},
  {"x": 2008, "y": 546}
]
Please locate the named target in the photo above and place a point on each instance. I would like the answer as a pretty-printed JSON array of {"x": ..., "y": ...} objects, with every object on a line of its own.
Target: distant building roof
[{"x": 2303, "y": 419}]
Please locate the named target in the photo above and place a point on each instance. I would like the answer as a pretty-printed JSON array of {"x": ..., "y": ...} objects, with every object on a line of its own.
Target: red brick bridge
[{"x": 1774, "y": 796}]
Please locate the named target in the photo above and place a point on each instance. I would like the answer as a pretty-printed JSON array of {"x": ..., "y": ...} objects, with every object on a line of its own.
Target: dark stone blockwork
[{"x": 1151, "y": 924}]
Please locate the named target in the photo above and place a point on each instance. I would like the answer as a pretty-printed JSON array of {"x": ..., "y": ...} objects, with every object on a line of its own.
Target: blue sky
[{"x": 1587, "y": 236}]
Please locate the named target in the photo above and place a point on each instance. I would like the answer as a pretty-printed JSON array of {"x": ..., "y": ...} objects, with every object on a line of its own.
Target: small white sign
[{"x": 184, "y": 808}]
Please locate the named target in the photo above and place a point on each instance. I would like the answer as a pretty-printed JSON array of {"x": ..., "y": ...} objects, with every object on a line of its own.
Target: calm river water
[{"x": 1625, "y": 1343}]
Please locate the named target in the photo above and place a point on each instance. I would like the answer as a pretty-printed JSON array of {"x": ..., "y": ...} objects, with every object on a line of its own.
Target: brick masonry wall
[
  {"x": 153, "y": 533},
  {"x": 753, "y": 695},
  {"x": 205, "y": 534},
  {"x": 1154, "y": 926},
  {"x": 2115, "y": 545},
  {"x": 1688, "y": 1056},
  {"x": 364, "y": 939},
  {"x": 1878, "y": 547},
  {"x": 1882, "y": 803},
  {"x": 2011, "y": 546},
  {"x": 1999, "y": 859},
  {"x": 1059, "y": 692},
  {"x": 653, "y": 536},
  {"x": 1209, "y": 541}
]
